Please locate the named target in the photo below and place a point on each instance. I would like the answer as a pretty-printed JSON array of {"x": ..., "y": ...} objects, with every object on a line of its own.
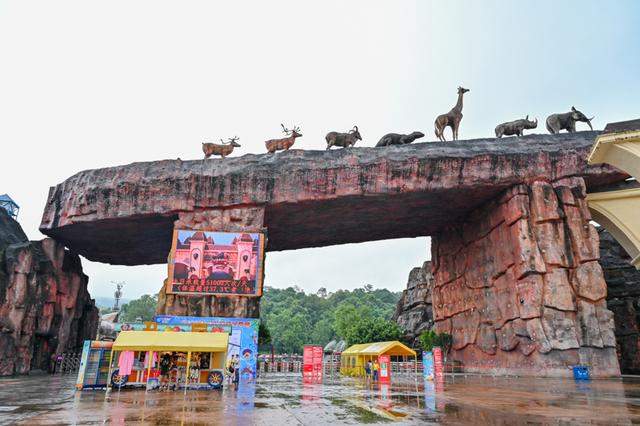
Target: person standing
[
  {"x": 367, "y": 370},
  {"x": 229, "y": 369},
  {"x": 236, "y": 371},
  {"x": 376, "y": 368}
]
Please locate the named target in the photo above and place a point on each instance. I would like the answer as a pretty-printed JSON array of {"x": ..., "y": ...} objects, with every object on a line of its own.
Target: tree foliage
[
  {"x": 143, "y": 309},
  {"x": 295, "y": 318},
  {"x": 430, "y": 339}
]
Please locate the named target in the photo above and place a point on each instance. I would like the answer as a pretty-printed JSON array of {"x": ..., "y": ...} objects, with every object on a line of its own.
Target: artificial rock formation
[
  {"x": 519, "y": 285},
  {"x": 125, "y": 215},
  {"x": 623, "y": 299},
  {"x": 508, "y": 218},
  {"x": 44, "y": 304},
  {"x": 413, "y": 312}
]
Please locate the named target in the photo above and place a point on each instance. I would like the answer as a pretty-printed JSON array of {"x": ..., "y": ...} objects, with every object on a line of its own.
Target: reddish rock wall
[
  {"x": 311, "y": 198},
  {"x": 519, "y": 286},
  {"x": 44, "y": 304},
  {"x": 246, "y": 219}
]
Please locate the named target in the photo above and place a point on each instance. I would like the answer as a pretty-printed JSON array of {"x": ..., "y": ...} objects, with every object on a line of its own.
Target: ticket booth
[
  {"x": 197, "y": 359},
  {"x": 354, "y": 359}
]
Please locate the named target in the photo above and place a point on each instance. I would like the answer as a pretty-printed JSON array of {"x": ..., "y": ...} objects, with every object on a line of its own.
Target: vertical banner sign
[
  {"x": 427, "y": 365},
  {"x": 312, "y": 362},
  {"x": 307, "y": 360},
  {"x": 437, "y": 361},
  {"x": 216, "y": 263},
  {"x": 385, "y": 368},
  {"x": 86, "y": 347},
  {"x": 317, "y": 360}
]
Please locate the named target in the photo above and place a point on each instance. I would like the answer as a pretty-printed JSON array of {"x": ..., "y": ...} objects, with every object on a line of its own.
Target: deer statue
[
  {"x": 451, "y": 119},
  {"x": 567, "y": 121},
  {"x": 222, "y": 149},
  {"x": 344, "y": 140},
  {"x": 274, "y": 145}
]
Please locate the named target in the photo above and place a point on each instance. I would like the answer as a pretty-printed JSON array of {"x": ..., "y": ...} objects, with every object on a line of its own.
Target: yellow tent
[
  {"x": 171, "y": 341},
  {"x": 354, "y": 357}
]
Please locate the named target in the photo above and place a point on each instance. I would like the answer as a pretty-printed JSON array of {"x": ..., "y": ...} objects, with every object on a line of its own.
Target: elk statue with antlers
[
  {"x": 274, "y": 145},
  {"x": 223, "y": 149},
  {"x": 344, "y": 140}
]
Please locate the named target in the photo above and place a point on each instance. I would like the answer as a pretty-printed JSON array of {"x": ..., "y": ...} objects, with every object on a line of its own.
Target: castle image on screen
[{"x": 207, "y": 262}]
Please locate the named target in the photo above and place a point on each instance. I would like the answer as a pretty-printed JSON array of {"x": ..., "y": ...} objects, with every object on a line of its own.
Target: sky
[{"x": 94, "y": 84}]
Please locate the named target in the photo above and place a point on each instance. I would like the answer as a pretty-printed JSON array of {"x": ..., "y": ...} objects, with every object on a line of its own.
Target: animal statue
[
  {"x": 222, "y": 149},
  {"x": 515, "y": 127},
  {"x": 567, "y": 121},
  {"x": 274, "y": 145},
  {"x": 398, "y": 139},
  {"x": 344, "y": 140},
  {"x": 451, "y": 119}
]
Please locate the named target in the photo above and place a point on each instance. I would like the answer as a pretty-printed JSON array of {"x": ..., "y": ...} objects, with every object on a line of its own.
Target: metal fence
[{"x": 68, "y": 363}]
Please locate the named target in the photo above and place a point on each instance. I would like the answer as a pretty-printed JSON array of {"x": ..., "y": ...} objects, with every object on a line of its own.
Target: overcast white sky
[{"x": 94, "y": 84}]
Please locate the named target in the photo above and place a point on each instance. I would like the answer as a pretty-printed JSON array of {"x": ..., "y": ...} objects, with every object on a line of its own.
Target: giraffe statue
[{"x": 451, "y": 119}]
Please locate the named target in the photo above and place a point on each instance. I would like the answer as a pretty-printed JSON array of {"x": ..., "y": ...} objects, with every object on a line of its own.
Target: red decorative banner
[
  {"x": 437, "y": 361},
  {"x": 312, "y": 359}
]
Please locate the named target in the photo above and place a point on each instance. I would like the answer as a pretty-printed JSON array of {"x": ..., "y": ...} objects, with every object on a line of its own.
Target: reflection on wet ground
[{"x": 285, "y": 399}]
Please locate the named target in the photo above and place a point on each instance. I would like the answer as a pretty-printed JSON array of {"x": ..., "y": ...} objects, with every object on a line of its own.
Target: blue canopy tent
[{"x": 9, "y": 205}]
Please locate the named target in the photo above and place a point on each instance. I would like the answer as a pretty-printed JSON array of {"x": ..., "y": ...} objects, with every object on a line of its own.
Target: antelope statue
[
  {"x": 274, "y": 145},
  {"x": 344, "y": 140},
  {"x": 451, "y": 119},
  {"x": 222, "y": 149}
]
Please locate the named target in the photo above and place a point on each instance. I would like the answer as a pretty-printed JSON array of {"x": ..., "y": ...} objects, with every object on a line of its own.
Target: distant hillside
[{"x": 295, "y": 318}]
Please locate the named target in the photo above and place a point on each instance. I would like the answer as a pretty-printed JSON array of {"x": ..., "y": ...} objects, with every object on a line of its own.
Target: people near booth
[
  {"x": 229, "y": 368},
  {"x": 376, "y": 369},
  {"x": 367, "y": 369},
  {"x": 165, "y": 367}
]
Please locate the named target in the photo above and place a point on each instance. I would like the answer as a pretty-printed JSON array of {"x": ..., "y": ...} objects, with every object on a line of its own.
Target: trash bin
[{"x": 580, "y": 372}]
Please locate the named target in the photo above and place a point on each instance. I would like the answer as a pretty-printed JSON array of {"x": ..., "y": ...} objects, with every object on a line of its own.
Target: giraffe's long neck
[{"x": 458, "y": 106}]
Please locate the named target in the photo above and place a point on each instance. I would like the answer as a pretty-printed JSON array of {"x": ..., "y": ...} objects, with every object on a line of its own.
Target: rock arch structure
[{"x": 516, "y": 277}]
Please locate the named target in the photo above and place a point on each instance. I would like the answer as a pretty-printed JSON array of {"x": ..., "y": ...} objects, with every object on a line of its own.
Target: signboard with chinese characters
[{"x": 216, "y": 263}]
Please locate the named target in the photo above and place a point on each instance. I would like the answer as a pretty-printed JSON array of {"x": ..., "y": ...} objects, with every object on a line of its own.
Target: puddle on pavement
[{"x": 285, "y": 399}]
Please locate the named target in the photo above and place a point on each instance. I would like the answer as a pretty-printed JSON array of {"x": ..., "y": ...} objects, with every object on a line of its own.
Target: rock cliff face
[
  {"x": 623, "y": 298},
  {"x": 44, "y": 304},
  {"x": 125, "y": 215},
  {"x": 519, "y": 285},
  {"x": 413, "y": 311}
]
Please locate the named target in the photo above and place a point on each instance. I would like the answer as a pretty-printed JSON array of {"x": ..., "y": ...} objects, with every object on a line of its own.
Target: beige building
[{"x": 619, "y": 210}]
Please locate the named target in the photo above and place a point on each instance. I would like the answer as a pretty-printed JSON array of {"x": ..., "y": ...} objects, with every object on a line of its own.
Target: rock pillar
[
  {"x": 242, "y": 219},
  {"x": 45, "y": 307},
  {"x": 519, "y": 286}
]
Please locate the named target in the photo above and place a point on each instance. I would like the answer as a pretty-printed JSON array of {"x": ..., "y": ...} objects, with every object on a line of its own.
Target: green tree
[
  {"x": 366, "y": 330},
  {"x": 322, "y": 316},
  {"x": 264, "y": 336},
  {"x": 322, "y": 332},
  {"x": 290, "y": 330},
  {"x": 143, "y": 308}
]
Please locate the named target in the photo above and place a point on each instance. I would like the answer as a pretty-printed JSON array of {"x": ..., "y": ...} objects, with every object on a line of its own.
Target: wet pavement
[{"x": 285, "y": 399}]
